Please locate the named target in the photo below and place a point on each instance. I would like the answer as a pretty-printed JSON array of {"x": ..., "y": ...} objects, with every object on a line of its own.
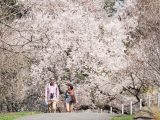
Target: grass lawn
[
  {"x": 123, "y": 117},
  {"x": 13, "y": 116}
]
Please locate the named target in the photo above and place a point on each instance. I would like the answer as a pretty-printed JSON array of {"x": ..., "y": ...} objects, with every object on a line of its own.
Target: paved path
[{"x": 68, "y": 116}]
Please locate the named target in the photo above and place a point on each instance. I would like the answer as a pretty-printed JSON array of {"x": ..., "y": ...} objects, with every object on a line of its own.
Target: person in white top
[{"x": 52, "y": 95}]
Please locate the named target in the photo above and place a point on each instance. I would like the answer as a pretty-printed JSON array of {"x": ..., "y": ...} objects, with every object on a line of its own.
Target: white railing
[{"x": 151, "y": 100}]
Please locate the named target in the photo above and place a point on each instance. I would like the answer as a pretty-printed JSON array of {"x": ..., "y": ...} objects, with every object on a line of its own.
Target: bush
[{"x": 156, "y": 113}]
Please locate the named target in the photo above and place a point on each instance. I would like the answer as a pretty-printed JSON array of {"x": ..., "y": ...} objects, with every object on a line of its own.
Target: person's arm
[
  {"x": 57, "y": 92},
  {"x": 73, "y": 96},
  {"x": 46, "y": 94}
]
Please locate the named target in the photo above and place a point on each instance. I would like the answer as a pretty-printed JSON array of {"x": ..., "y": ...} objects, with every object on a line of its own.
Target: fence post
[
  {"x": 149, "y": 101},
  {"x": 101, "y": 110},
  {"x": 110, "y": 110},
  {"x": 122, "y": 109},
  {"x": 131, "y": 108},
  {"x": 140, "y": 104},
  {"x": 158, "y": 99}
]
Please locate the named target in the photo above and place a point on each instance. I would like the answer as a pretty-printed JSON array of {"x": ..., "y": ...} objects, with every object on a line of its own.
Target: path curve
[{"x": 68, "y": 116}]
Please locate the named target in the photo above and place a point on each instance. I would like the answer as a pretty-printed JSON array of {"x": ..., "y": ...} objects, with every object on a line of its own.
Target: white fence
[{"x": 151, "y": 100}]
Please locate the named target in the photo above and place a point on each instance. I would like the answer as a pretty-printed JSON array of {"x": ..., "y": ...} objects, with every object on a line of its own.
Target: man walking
[{"x": 52, "y": 95}]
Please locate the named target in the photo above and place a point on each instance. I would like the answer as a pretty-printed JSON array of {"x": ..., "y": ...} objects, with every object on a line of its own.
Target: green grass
[
  {"x": 123, "y": 117},
  {"x": 13, "y": 116}
]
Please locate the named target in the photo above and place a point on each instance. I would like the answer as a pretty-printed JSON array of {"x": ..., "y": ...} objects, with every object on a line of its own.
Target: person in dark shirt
[{"x": 70, "y": 98}]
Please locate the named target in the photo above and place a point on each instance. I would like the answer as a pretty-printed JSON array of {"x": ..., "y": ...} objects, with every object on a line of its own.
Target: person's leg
[
  {"x": 54, "y": 105},
  {"x": 49, "y": 106},
  {"x": 67, "y": 107},
  {"x": 71, "y": 107}
]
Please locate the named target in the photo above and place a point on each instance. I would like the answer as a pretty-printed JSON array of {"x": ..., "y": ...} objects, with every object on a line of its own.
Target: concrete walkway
[{"x": 68, "y": 116}]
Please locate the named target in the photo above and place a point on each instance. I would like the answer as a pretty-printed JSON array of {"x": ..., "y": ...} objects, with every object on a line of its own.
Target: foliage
[
  {"x": 109, "y": 5},
  {"x": 123, "y": 117},
  {"x": 149, "y": 113},
  {"x": 155, "y": 112},
  {"x": 10, "y": 10}
]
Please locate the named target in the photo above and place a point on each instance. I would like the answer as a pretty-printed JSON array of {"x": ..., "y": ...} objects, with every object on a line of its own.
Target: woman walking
[{"x": 70, "y": 98}]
